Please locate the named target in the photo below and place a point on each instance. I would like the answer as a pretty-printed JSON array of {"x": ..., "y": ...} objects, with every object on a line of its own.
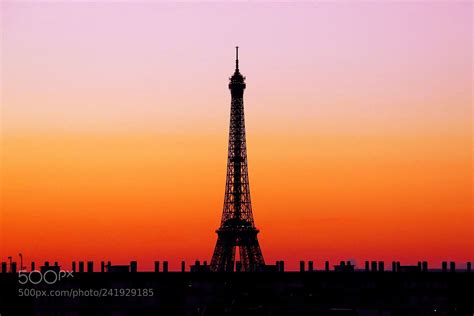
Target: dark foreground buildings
[{"x": 340, "y": 290}]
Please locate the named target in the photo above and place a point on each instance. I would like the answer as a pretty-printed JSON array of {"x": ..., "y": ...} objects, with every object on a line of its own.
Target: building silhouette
[{"x": 318, "y": 288}]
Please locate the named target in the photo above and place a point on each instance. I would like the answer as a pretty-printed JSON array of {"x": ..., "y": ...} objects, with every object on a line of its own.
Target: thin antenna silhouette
[{"x": 237, "y": 57}]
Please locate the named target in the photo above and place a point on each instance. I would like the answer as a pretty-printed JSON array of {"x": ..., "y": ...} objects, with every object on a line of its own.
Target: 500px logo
[{"x": 48, "y": 277}]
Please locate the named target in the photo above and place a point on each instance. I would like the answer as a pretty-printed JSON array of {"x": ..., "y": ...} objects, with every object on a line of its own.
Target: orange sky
[{"x": 114, "y": 146}]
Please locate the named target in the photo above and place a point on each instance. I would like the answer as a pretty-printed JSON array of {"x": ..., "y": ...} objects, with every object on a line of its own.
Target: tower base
[{"x": 228, "y": 239}]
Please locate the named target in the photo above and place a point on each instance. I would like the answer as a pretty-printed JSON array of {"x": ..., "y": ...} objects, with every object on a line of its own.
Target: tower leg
[
  {"x": 224, "y": 255},
  {"x": 251, "y": 255}
]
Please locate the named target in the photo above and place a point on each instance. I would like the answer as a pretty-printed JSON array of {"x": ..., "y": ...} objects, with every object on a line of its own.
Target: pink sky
[{"x": 107, "y": 66}]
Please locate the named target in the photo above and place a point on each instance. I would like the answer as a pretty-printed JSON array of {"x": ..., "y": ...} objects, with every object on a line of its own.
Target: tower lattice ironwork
[{"x": 237, "y": 229}]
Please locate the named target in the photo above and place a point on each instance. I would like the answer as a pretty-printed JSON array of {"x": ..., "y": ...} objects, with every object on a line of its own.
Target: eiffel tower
[{"x": 237, "y": 229}]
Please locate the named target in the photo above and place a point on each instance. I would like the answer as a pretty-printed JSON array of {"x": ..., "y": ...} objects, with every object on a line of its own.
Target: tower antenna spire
[{"x": 236, "y": 57}]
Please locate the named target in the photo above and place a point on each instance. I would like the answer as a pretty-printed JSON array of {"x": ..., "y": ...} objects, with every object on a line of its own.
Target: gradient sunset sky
[{"x": 115, "y": 122}]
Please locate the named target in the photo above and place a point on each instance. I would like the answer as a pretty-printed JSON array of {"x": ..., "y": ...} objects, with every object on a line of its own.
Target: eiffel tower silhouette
[{"x": 237, "y": 227}]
